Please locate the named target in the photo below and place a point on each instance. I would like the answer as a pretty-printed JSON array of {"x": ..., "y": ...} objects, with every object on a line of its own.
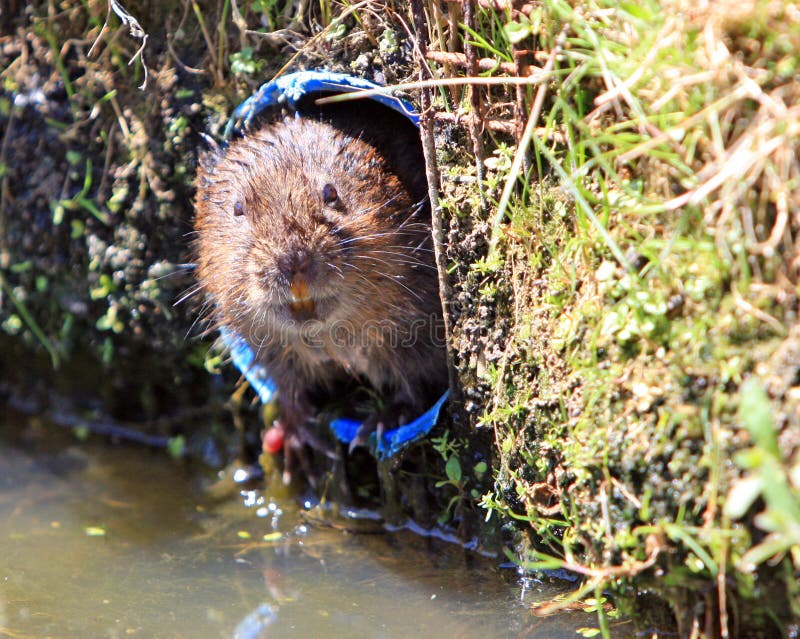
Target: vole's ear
[{"x": 211, "y": 155}]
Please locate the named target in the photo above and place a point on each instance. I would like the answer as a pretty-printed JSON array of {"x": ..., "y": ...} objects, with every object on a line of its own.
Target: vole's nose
[{"x": 296, "y": 263}]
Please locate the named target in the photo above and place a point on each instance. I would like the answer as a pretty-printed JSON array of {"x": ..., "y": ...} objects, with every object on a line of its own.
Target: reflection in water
[{"x": 111, "y": 541}]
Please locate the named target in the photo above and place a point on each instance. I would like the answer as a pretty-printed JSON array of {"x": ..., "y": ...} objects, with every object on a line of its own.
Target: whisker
[
  {"x": 399, "y": 283},
  {"x": 378, "y": 207},
  {"x": 407, "y": 259},
  {"x": 336, "y": 268},
  {"x": 191, "y": 291}
]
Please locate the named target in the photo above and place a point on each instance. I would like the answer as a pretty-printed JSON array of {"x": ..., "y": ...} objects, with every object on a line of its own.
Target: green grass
[{"x": 646, "y": 309}]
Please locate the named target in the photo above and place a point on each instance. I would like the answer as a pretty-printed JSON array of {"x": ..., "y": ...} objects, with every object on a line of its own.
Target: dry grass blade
[{"x": 135, "y": 30}]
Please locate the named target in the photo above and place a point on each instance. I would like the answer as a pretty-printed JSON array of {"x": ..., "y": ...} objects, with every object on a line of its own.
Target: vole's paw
[
  {"x": 296, "y": 454},
  {"x": 393, "y": 416},
  {"x": 296, "y": 438}
]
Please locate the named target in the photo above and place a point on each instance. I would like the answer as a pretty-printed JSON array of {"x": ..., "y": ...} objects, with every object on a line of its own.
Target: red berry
[{"x": 272, "y": 441}]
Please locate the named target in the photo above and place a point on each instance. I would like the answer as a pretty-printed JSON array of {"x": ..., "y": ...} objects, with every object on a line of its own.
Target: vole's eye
[
  {"x": 238, "y": 208},
  {"x": 331, "y": 197}
]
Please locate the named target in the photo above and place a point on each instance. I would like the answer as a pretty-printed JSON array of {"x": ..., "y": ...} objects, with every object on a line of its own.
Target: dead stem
[
  {"x": 501, "y": 6},
  {"x": 432, "y": 174},
  {"x": 215, "y": 70},
  {"x": 134, "y": 29},
  {"x": 475, "y": 101},
  {"x": 484, "y": 64}
]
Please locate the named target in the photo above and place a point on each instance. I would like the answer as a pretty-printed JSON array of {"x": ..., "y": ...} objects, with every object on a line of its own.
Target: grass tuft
[{"x": 640, "y": 285}]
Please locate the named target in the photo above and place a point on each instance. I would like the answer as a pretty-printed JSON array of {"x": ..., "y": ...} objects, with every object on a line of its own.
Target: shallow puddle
[{"x": 98, "y": 540}]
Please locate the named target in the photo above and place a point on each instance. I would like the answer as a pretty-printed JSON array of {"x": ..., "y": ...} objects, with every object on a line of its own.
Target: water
[{"x": 98, "y": 540}]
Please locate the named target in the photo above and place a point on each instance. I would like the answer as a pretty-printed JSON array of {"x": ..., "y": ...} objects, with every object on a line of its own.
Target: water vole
[{"x": 314, "y": 245}]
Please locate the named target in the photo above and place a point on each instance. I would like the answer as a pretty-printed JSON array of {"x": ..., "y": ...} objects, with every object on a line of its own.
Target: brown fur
[{"x": 366, "y": 258}]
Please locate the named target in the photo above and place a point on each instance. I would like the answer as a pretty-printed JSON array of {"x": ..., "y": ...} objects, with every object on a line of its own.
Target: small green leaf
[
  {"x": 749, "y": 458},
  {"x": 77, "y": 229},
  {"x": 516, "y": 32},
  {"x": 242, "y": 63},
  {"x": 107, "y": 351},
  {"x": 756, "y": 414},
  {"x": 453, "y": 469},
  {"x": 81, "y": 432},
  {"x": 21, "y": 267},
  {"x": 637, "y": 10},
  {"x": 58, "y": 213},
  {"x": 741, "y": 496},
  {"x": 388, "y": 42},
  {"x": 336, "y": 32},
  {"x": 772, "y": 545},
  {"x": 176, "y": 446},
  {"x": 13, "y": 324}
]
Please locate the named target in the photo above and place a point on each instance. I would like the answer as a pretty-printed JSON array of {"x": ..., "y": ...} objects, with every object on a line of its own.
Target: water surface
[{"x": 102, "y": 540}]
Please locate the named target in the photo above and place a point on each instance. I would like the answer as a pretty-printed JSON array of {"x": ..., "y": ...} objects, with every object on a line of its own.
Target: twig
[
  {"x": 741, "y": 158},
  {"x": 460, "y": 60},
  {"x": 626, "y": 493},
  {"x": 475, "y": 101},
  {"x": 722, "y": 589},
  {"x": 599, "y": 576},
  {"x": 273, "y": 39},
  {"x": 654, "y": 545},
  {"x": 240, "y": 22},
  {"x": 465, "y": 119},
  {"x": 503, "y": 5},
  {"x": 337, "y": 20},
  {"x": 432, "y": 175},
  {"x": 666, "y": 38},
  {"x": 740, "y": 92},
  {"x": 541, "y": 76},
  {"x": 484, "y": 64},
  {"x": 781, "y": 220},
  {"x": 171, "y": 31},
  {"x": 521, "y": 69},
  {"x": 748, "y": 308},
  {"x": 217, "y": 72}
]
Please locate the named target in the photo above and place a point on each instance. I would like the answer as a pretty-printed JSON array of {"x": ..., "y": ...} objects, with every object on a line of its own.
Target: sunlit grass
[{"x": 669, "y": 135}]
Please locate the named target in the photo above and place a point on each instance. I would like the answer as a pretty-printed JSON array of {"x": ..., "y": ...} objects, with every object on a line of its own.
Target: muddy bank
[{"x": 96, "y": 213}]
